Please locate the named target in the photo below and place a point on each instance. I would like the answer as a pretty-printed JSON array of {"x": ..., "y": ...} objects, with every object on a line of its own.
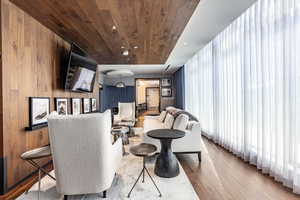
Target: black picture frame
[
  {"x": 80, "y": 105},
  {"x": 32, "y": 108},
  {"x": 93, "y": 100},
  {"x": 85, "y": 107},
  {"x": 56, "y": 101},
  {"x": 166, "y": 82},
  {"x": 169, "y": 92}
]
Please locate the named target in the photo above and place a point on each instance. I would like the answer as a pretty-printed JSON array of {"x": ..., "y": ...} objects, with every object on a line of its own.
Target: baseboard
[{"x": 3, "y": 175}]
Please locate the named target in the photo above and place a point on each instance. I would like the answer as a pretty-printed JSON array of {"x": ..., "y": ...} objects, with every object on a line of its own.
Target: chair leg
[
  {"x": 39, "y": 192},
  {"x": 104, "y": 194},
  {"x": 65, "y": 197},
  {"x": 199, "y": 156}
]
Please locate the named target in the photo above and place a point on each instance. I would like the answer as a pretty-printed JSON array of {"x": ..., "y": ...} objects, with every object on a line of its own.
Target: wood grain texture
[
  {"x": 31, "y": 62},
  {"x": 152, "y": 25}
]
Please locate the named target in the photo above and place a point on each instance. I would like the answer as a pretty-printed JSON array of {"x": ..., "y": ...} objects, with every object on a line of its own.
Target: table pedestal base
[{"x": 166, "y": 163}]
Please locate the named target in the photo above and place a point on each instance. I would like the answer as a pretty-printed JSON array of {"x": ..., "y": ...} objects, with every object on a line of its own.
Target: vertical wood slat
[{"x": 30, "y": 66}]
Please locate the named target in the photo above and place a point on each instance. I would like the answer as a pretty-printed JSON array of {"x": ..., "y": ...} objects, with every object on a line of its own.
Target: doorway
[
  {"x": 152, "y": 99},
  {"x": 148, "y": 96}
]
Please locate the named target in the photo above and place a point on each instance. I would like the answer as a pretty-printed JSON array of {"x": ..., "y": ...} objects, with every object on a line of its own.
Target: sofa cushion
[
  {"x": 169, "y": 121},
  {"x": 162, "y": 116},
  {"x": 181, "y": 122}
]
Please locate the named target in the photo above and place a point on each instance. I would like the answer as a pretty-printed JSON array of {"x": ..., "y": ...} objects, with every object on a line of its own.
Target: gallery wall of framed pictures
[
  {"x": 39, "y": 108},
  {"x": 166, "y": 87}
]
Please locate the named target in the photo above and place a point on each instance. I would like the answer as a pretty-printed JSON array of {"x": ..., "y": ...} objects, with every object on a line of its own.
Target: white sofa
[
  {"x": 190, "y": 143},
  {"x": 84, "y": 158}
]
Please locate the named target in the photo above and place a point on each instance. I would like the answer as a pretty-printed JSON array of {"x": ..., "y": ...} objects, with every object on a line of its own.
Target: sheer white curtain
[
  {"x": 199, "y": 96},
  {"x": 249, "y": 102}
]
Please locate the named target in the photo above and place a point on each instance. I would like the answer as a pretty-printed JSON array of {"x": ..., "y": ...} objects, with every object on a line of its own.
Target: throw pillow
[
  {"x": 181, "y": 122},
  {"x": 169, "y": 121},
  {"x": 162, "y": 116}
]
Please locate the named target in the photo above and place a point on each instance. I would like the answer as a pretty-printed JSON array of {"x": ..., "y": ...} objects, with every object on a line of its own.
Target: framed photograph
[
  {"x": 166, "y": 92},
  {"x": 39, "y": 109},
  {"x": 86, "y": 105},
  {"x": 61, "y": 106},
  {"x": 166, "y": 82},
  {"x": 76, "y": 106},
  {"x": 93, "y": 104}
]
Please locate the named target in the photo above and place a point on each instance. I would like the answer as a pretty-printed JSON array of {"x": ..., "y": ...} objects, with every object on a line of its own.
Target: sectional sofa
[{"x": 173, "y": 118}]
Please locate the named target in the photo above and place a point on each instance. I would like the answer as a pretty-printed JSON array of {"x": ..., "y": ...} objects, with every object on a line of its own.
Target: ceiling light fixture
[
  {"x": 114, "y": 28},
  {"x": 120, "y": 85},
  {"x": 122, "y": 47},
  {"x": 135, "y": 47},
  {"x": 125, "y": 53}
]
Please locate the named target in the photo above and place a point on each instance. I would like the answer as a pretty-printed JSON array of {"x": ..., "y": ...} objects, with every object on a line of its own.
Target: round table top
[
  {"x": 143, "y": 150},
  {"x": 166, "y": 134}
]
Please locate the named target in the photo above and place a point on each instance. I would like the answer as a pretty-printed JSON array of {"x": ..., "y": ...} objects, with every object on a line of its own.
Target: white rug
[{"x": 178, "y": 188}]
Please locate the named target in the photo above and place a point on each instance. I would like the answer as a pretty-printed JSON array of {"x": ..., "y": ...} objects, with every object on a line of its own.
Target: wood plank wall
[{"x": 31, "y": 60}]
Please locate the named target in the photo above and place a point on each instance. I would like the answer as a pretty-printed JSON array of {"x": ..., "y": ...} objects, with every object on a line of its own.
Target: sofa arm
[
  {"x": 194, "y": 127},
  {"x": 151, "y": 117}
]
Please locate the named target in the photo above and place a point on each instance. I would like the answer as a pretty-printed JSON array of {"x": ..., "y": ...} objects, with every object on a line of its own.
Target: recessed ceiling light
[
  {"x": 125, "y": 53},
  {"x": 114, "y": 28},
  {"x": 135, "y": 47},
  {"x": 122, "y": 47}
]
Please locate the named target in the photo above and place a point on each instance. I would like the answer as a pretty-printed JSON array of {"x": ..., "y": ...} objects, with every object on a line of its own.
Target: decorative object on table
[
  {"x": 86, "y": 105},
  {"x": 93, "y": 104},
  {"x": 166, "y": 164},
  {"x": 35, "y": 154},
  {"x": 39, "y": 109},
  {"x": 166, "y": 82},
  {"x": 61, "y": 106},
  {"x": 143, "y": 150},
  {"x": 166, "y": 92},
  {"x": 76, "y": 106}
]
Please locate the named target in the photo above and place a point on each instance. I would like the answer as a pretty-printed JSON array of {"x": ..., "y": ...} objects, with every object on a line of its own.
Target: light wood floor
[{"x": 223, "y": 176}]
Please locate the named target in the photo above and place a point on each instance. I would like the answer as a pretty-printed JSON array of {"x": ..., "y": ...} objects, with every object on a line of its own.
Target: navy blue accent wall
[
  {"x": 179, "y": 84},
  {"x": 110, "y": 96}
]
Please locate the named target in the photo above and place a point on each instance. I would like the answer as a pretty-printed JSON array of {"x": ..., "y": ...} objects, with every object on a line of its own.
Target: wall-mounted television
[{"x": 80, "y": 71}]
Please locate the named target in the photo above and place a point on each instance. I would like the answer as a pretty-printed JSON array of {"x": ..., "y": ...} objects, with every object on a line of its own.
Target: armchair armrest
[{"x": 117, "y": 153}]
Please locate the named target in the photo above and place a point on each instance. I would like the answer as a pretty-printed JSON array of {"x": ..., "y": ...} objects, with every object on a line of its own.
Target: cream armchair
[
  {"x": 85, "y": 161},
  {"x": 126, "y": 114}
]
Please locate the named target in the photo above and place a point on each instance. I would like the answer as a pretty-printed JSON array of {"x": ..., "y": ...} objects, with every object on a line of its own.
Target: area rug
[{"x": 177, "y": 188}]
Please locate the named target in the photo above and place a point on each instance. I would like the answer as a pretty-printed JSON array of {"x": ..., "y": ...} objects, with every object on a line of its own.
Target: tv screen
[
  {"x": 82, "y": 80},
  {"x": 81, "y": 72}
]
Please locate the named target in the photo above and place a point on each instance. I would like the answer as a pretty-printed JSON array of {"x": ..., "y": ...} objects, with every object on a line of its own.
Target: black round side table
[{"x": 166, "y": 164}]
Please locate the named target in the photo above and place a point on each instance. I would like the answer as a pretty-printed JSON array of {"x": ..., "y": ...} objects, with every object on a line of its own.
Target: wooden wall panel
[{"x": 30, "y": 67}]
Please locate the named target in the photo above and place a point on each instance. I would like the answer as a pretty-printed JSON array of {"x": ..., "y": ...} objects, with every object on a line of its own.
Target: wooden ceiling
[{"x": 153, "y": 26}]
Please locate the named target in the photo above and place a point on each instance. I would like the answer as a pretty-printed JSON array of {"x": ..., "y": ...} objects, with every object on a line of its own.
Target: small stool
[
  {"x": 38, "y": 153},
  {"x": 144, "y": 150}
]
